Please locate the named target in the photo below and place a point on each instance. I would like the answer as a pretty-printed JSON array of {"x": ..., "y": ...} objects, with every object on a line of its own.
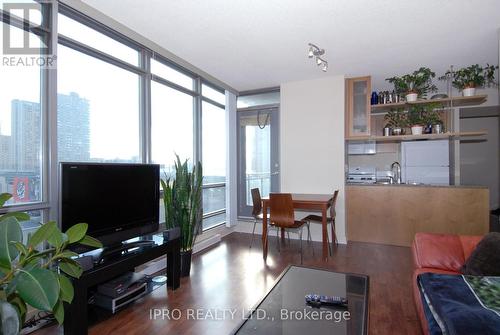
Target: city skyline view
[{"x": 20, "y": 164}]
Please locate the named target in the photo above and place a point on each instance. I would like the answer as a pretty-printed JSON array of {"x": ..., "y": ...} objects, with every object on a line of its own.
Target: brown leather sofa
[{"x": 438, "y": 253}]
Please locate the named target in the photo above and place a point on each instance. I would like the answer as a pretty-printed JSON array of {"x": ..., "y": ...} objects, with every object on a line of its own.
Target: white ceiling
[{"x": 262, "y": 43}]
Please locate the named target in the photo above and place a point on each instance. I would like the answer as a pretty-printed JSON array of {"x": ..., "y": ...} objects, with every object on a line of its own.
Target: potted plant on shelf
[
  {"x": 32, "y": 277},
  {"x": 397, "y": 120},
  {"x": 414, "y": 85},
  {"x": 432, "y": 118},
  {"x": 182, "y": 201},
  {"x": 416, "y": 120},
  {"x": 469, "y": 78}
]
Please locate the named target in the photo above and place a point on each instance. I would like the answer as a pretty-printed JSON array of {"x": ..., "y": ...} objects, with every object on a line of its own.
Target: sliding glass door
[{"x": 258, "y": 154}]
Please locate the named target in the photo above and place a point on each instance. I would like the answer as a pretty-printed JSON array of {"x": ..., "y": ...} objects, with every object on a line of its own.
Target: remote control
[{"x": 319, "y": 300}]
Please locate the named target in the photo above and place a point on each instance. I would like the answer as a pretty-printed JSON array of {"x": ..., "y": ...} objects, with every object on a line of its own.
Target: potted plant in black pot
[
  {"x": 469, "y": 78},
  {"x": 33, "y": 275},
  {"x": 397, "y": 121},
  {"x": 414, "y": 85},
  {"x": 182, "y": 201}
]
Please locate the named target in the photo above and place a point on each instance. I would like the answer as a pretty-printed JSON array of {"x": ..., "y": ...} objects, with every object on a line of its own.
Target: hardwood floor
[{"x": 230, "y": 275}]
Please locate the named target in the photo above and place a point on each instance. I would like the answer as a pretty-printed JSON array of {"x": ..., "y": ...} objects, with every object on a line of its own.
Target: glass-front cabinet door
[{"x": 358, "y": 106}]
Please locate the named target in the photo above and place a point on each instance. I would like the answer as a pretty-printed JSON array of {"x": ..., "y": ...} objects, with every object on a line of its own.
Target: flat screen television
[{"x": 117, "y": 201}]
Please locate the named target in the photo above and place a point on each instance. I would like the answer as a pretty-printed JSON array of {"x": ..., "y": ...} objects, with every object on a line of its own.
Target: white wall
[{"x": 312, "y": 141}]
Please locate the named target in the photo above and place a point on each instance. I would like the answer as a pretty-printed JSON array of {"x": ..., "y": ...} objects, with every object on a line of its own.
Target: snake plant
[
  {"x": 182, "y": 201},
  {"x": 32, "y": 277}
]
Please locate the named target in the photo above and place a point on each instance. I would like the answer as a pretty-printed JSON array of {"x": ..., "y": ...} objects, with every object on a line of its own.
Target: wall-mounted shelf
[
  {"x": 417, "y": 137},
  {"x": 453, "y": 101}
]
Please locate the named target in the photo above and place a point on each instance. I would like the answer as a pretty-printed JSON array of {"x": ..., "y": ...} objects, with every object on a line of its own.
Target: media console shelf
[{"x": 76, "y": 313}]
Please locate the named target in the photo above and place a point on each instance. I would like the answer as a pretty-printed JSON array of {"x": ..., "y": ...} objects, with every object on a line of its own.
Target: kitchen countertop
[{"x": 418, "y": 185}]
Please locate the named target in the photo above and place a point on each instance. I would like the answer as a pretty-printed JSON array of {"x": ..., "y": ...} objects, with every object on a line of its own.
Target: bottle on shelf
[{"x": 380, "y": 97}]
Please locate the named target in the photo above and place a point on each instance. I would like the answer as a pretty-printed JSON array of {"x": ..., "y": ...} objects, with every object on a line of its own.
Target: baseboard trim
[{"x": 207, "y": 243}]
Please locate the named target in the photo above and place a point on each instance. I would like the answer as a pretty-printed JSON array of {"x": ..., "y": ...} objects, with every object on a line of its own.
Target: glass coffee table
[{"x": 284, "y": 310}]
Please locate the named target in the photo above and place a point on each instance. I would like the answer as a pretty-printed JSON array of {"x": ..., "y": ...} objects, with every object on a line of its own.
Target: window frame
[
  {"x": 45, "y": 32},
  {"x": 48, "y": 203}
]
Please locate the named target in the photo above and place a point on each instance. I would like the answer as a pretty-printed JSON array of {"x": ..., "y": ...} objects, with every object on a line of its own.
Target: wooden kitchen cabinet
[{"x": 358, "y": 108}]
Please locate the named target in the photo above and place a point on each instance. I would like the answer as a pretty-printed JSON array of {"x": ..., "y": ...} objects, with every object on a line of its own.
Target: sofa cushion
[
  {"x": 469, "y": 243},
  {"x": 438, "y": 251},
  {"x": 485, "y": 259}
]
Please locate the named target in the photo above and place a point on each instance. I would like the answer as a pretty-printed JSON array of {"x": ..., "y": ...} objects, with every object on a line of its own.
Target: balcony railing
[{"x": 262, "y": 181}]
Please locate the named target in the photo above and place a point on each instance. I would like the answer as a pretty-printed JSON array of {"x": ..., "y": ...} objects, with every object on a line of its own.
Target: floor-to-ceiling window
[
  {"x": 117, "y": 101},
  {"x": 21, "y": 132},
  {"x": 98, "y": 106},
  {"x": 214, "y": 157},
  {"x": 172, "y": 115},
  {"x": 25, "y": 38},
  {"x": 172, "y": 119}
]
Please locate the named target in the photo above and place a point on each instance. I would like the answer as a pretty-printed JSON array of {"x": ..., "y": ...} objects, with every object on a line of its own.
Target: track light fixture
[
  {"x": 316, "y": 52},
  {"x": 311, "y": 52}
]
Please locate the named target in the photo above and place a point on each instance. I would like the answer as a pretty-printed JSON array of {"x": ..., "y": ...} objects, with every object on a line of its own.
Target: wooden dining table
[{"x": 308, "y": 202}]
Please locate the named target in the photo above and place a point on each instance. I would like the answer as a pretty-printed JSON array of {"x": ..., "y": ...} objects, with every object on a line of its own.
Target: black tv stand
[
  {"x": 116, "y": 263},
  {"x": 125, "y": 246}
]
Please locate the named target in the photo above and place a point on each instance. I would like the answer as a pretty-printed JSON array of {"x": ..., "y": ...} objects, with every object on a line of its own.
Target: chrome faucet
[{"x": 397, "y": 175}]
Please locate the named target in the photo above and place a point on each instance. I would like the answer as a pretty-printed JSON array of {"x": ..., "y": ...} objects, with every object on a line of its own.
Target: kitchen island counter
[
  {"x": 418, "y": 185},
  {"x": 392, "y": 214}
]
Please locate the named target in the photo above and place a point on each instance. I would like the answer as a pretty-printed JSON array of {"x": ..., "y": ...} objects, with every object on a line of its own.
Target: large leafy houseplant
[
  {"x": 182, "y": 201},
  {"x": 418, "y": 82},
  {"x": 416, "y": 116},
  {"x": 473, "y": 76},
  {"x": 32, "y": 277}
]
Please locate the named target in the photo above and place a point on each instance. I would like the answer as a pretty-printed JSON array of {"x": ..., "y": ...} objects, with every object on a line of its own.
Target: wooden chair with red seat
[
  {"x": 330, "y": 220},
  {"x": 283, "y": 216}
]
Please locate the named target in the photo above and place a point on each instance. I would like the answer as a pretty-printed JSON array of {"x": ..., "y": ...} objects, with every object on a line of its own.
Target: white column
[{"x": 231, "y": 161}]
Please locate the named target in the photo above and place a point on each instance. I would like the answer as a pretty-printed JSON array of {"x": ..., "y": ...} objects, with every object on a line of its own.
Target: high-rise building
[
  {"x": 26, "y": 135},
  {"x": 5, "y": 154},
  {"x": 20, "y": 153},
  {"x": 73, "y": 128},
  {"x": 21, "y": 150}
]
